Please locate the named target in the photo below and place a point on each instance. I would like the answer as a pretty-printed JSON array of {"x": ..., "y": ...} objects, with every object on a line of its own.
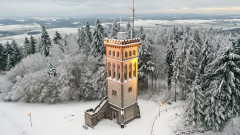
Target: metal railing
[{"x": 160, "y": 115}]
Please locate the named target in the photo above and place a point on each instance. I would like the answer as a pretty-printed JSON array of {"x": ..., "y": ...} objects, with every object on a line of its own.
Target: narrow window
[
  {"x": 134, "y": 69},
  {"x": 118, "y": 72},
  {"x": 125, "y": 72},
  {"x": 109, "y": 53},
  {"x": 113, "y": 53},
  {"x": 130, "y": 54},
  {"x": 129, "y": 89},
  {"x": 130, "y": 70},
  {"x": 126, "y": 54},
  {"x": 114, "y": 93},
  {"x": 109, "y": 69},
  {"x": 134, "y": 52},
  {"x": 113, "y": 70},
  {"x": 118, "y": 54}
]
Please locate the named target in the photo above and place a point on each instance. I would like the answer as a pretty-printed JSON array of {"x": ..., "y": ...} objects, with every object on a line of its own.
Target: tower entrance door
[{"x": 114, "y": 116}]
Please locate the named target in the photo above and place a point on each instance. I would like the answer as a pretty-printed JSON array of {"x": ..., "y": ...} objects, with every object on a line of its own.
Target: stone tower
[
  {"x": 122, "y": 78},
  {"x": 121, "y": 104}
]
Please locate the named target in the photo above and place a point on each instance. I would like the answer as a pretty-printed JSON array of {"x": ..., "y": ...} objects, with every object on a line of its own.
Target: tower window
[
  {"x": 126, "y": 54},
  {"x": 109, "y": 52},
  {"x": 130, "y": 71},
  {"x": 125, "y": 72},
  {"x": 129, "y": 89},
  {"x": 114, "y": 93},
  {"x": 109, "y": 69},
  {"x": 113, "y": 70},
  {"x": 134, "y": 69},
  {"x": 113, "y": 53},
  {"x": 130, "y": 54},
  {"x": 118, "y": 72},
  {"x": 134, "y": 52},
  {"x": 118, "y": 54}
]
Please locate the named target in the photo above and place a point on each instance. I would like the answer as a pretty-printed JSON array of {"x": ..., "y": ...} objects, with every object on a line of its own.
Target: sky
[{"x": 92, "y": 7}]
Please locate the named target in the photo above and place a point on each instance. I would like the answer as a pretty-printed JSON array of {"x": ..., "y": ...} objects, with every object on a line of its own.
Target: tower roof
[{"x": 121, "y": 42}]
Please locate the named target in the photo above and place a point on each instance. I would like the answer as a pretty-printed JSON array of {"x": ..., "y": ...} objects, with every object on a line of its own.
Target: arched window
[
  {"x": 130, "y": 53},
  {"x": 118, "y": 72},
  {"x": 109, "y": 69},
  {"x": 134, "y": 69},
  {"x": 109, "y": 52},
  {"x": 134, "y": 52},
  {"x": 130, "y": 71},
  {"x": 113, "y": 70},
  {"x": 113, "y": 53},
  {"x": 126, "y": 54},
  {"x": 125, "y": 72},
  {"x": 118, "y": 54}
]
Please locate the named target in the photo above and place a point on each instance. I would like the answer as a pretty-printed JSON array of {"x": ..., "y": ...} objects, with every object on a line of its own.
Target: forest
[{"x": 201, "y": 66}]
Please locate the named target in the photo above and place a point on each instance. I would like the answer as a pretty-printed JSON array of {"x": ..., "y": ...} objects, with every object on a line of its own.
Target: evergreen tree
[
  {"x": 9, "y": 62},
  {"x": 115, "y": 29},
  {"x": 141, "y": 34},
  {"x": 16, "y": 55},
  {"x": 81, "y": 37},
  {"x": 45, "y": 42},
  {"x": 26, "y": 47},
  {"x": 195, "y": 102},
  {"x": 146, "y": 64},
  {"x": 2, "y": 58},
  {"x": 222, "y": 96},
  {"x": 98, "y": 48},
  {"x": 128, "y": 30},
  {"x": 88, "y": 34},
  {"x": 57, "y": 38},
  {"x": 32, "y": 48},
  {"x": 169, "y": 61}
]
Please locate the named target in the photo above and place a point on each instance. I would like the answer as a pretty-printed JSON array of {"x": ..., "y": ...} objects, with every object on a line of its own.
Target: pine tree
[
  {"x": 16, "y": 55},
  {"x": 88, "y": 34},
  {"x": 2, "y": 58},
  {"x": 26, "y": 47},
  {"x": 141, "y": 34},
  {"x": 169, "y": 61},
  {"x": 195, "y": 102},
  {"x": 9, "y": 62},
  {"x": 115, "y": 29},
  {"x": 57, "y": 38},
  {"x": 128, "y": 30},
  {"x": 81, "y": 37},
  {"x": 45, "y": 42},
  {"x": 222, "y": 96},
  {"x": 32, "y": 48},
  {"x": 145, "y": 64},
  {"x": 98, "y": 48}
]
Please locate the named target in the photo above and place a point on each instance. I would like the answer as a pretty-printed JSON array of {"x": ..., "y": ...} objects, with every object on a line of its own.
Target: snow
[{"x": 68, "y": 118}]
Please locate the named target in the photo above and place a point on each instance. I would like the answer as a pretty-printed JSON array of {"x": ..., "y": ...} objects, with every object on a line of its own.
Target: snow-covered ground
[{"x": 68, "y": 118}]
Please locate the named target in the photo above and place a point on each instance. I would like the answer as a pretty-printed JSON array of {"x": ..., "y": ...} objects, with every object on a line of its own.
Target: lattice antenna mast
[{"x": 133, "y": 17}]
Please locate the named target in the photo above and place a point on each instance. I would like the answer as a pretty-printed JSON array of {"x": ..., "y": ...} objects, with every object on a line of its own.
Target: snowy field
[{"x": 68, "y": 118}]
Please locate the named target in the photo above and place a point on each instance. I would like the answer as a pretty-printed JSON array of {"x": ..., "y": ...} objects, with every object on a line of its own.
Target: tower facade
[{"x": 122, "y": 78}]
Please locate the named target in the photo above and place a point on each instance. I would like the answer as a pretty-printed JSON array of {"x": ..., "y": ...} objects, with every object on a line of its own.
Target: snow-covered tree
[
  {"x": 145, "y": 64},
  {"x": 16, "y": 54},
  {"x": 171, "y": 52},
  {"x": 128, "y": 30},
  {"x": 98, "y": 48},
  {"x": 141, "y": 34},
  {"x": 52, "y": 70},
  {"x": 115, "y": 29},
  {"x": 57, "y": 38},
  {"x": 195, "y": 103},
  {"x": 81, "y": 37},
  {"x": 9, "y": 62},
  {"x": 2, "y": 58},
  {"x": 32, "y": 48},
  {"x": 222, "y": 96},
  {"x": 26, "y": 47},
  {"x": 88, "y": 34},
  {"x": 45, "y": 42}
]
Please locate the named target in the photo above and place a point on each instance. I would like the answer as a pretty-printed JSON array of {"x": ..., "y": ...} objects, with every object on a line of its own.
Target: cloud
[{"x": 87, "y": 7}]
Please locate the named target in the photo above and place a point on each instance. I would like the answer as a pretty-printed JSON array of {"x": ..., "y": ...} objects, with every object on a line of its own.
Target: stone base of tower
[{"x": 121, "y": 116}]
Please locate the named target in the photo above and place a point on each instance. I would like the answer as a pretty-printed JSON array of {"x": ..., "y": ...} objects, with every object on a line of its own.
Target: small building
[{"x": 121, "y": 104}]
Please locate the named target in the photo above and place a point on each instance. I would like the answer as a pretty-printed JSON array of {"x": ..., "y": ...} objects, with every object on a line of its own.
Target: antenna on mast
[{"x": 133, "y": 16}]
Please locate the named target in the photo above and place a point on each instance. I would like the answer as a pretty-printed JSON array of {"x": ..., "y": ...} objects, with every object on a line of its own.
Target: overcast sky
[{"x": 90, "y": 7}]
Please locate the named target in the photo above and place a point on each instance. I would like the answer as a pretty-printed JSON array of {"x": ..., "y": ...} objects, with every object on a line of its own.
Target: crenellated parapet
[{"x": 121, "y": 42}]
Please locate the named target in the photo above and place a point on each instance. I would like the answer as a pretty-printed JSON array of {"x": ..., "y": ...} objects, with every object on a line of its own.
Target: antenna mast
[{"x": 133, "y": 16}]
